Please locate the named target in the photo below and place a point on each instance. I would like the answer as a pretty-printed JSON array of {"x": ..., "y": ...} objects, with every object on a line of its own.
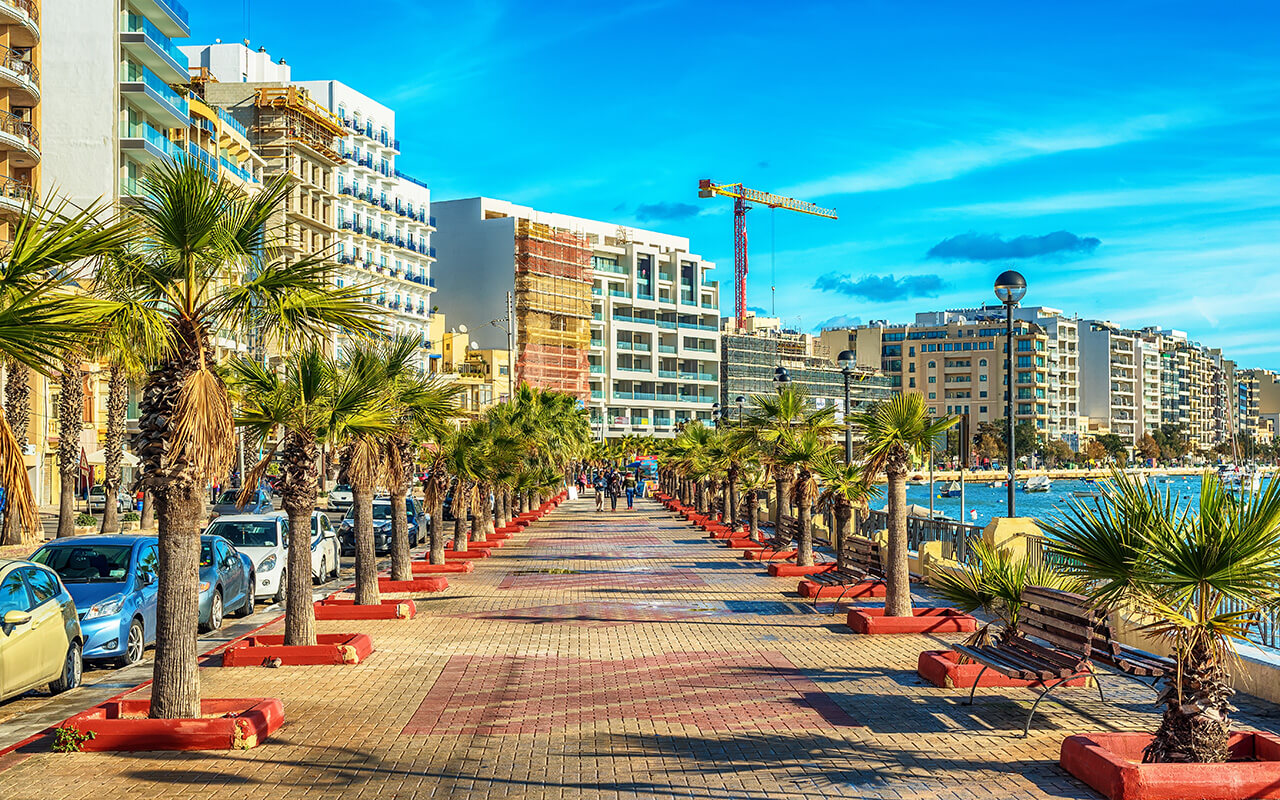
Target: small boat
[
  {"x": 997, "y": 484},
  {"x": 1037, "y": 483},
  {"x": 1085, "y": 494},
  {"x": 950, "y": 490},
  {"x": 917, "y": 480}
]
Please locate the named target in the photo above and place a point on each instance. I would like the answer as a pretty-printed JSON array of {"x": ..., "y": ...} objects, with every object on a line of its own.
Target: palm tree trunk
[
  {"x": 117, "y": 408},
  {"x": 459, "y": 518},
  {"x": 437, "y": 530},
  {"x": 401, "y": 569},
  {"x": 753, "y": 515},
  {"x": 301, "y": 489},
  {"x": 175, "y": 691},
  {"x": 70, "y": 424},
  {"x": 1195, "y": 727},
  {"x": 17, "y": 408},
  {"x": 897, "y": 602},
  {"x": 779, "y": 492},
  {"x": 731, "y": 491},
  {"x": 804, "y": 536},
  {"x": 843, "y": 512},
  {"x": 366, "y": 559},
  {"x": 148, "y": 518},
  {"x": 484, "y": 512}
]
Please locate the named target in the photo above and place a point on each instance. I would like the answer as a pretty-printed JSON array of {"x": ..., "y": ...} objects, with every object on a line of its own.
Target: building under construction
[{"x": 553, "y": 307}]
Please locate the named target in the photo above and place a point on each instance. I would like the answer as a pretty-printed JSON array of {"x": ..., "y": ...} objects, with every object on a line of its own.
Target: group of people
[{"x": 612, "y": 483}]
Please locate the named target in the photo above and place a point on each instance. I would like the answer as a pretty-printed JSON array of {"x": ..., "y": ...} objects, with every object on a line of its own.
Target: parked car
[
  {"x": 226, "y": 581},
  {"x": 98, "y": 499},
  {"x": 264, "y": 538},
  {"x": 112, "y": 579},
  {"x": 381, "y": 526},
  {"x": 260, "y": 503},
  {"x": 40, "y": 640},
  {"x": 326, "y": 550},
  {"x": 340, "y": 498}
]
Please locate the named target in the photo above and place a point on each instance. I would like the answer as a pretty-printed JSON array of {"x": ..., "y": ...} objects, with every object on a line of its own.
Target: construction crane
[{"x": 742, "y": 200}]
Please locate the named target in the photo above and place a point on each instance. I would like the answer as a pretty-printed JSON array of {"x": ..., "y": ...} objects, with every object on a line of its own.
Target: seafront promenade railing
[{"x": 921, "y": 529}]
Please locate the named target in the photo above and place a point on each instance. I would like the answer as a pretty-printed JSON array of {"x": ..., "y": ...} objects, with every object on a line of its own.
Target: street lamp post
[
  {"x": 781, "y": 378},
  {"x": 739, "y": 400},
  {"x": 846, "y": 359},
  {"x": 1010, "y": 288}
]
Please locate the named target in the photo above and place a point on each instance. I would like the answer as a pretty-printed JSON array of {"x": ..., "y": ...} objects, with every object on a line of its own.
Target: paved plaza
[{"x": 616, "y": 656}]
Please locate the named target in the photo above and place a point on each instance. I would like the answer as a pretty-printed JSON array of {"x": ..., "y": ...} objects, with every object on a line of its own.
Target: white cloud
[
  {"x": 1253, "y": 191},
  {"x": 935, "y": 164}
]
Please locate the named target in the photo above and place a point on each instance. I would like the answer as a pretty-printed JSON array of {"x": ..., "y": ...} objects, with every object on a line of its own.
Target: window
[
  {"x": 932, "y": 364},
  {"x": 982, "y": 362},
  {"x": 982, "y": 378},
  {"x": 43, "y": 586},
  {"x": 13, "y": 594},
  {"x": 982, "y": 393},
  {"x": 149, "y": 560},
  {"x": 912, "y": 351},
  {"x": 911, "y": 367},
  {"x": 933, "y": 395},
  {"x": 912, "y": 385},
  {"x": 932, "y": 379},
  {"x": 982, "y": 409}
]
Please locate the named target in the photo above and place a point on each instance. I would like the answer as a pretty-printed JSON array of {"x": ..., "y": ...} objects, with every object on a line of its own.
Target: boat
[
  {"x": 1086, "y": 494},
  {"x": 917, "y": 480},
  {"x": 997, "y": 484},
  {"x": 1037, "y": 483},
  {"x": 950, "y": 490},
  {"x": 1239, "y": 481}
]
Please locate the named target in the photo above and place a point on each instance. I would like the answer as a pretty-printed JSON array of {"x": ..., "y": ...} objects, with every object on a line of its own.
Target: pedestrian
[
  {"x": 597, "y": 489},
  {"x": 582, "y": 483},
  {"x": 615, "y": 489},
  {"x": 630, "y": 485}
]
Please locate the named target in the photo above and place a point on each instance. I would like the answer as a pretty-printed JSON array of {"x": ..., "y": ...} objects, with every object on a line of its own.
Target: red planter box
[
  {"x": 1112, "y": 764},
  {"x": 745, "y": 544},
  {"x": 769, "y": 555},
  {"x": 431, "y": 583},
  {"x": 426, "y": 568},
  {"x": 872, "y": 621},
  {"x": 230, "y": 724},
  {"x": 792, "y": 570},
  {"x": 943, "y": 669},
  {"x": 330, "y": 648},
  {"x": 347, "y": 609},
  {"x": 462, "y": 555},
  {"x": 500, "y": 534},
  {"x": 857, "y": 590}
]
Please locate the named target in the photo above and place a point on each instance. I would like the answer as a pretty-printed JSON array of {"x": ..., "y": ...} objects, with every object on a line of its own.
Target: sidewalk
[{"x": 616, "y": 656}]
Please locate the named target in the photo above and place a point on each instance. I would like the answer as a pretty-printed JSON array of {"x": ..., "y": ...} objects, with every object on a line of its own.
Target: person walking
[
  {"x": 615, "y": 489},
  {"x": 582, "y": 482},
  {"x": 630, "y": 485},
  {"x": 598, "y": 490}
]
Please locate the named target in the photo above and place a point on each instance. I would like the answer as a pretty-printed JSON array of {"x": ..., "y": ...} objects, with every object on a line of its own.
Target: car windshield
[
  {"x": 96, "y": 490},
  {"x": 342, "y": 487},
  {"x": 246, "y": 534},
  {"x": 381, "y": 512},
  {"x": 94, "y": 563}
]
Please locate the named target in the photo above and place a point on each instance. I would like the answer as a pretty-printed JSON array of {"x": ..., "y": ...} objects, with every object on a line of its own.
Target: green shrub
[
  {"x": 132, "y": 516},
  {"x": 70, "y": 739},
  {"x": 86, "y": 520}
]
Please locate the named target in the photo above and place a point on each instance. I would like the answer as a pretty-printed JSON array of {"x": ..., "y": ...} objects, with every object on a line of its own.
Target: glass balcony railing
[
  {"x": 234, "y": 169},
  {"x": 233, "y": 123},
  {"x": 136, "y": 23},
  {"x": 153, "y": 137},
  {"x": 136, "y": 73}
]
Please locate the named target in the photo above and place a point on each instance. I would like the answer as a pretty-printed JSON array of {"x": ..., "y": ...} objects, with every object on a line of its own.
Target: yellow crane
[{"x": 742, "y": 200}]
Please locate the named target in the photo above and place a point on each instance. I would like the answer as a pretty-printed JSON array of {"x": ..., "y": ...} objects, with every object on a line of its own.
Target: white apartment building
[
  {"x": 383, "y": 216},
  {"x": 1111, "y": 360},
  {"x": 109, "y": 107},
  {"x": 626, "y": 319}
]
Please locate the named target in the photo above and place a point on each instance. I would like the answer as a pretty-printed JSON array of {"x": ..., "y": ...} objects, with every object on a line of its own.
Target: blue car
[
  {"x": 112, "y": 580},
  {"x": 226, "y": 581}
]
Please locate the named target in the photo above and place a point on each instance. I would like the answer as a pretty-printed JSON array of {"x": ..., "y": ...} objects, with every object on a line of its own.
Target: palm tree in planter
[
  {"x": 433, "y": 493},
  {"x": 802, "y": 451},
  {"x": 771, "y": 417},
  {"x": 1197, "y": 576},
  {"x": 43, "y": 327},
  {"x": 204, "y": 260},
  {"x": 291, "y": 411},
  {"x": 896, "y": 433},
  {"x": 847, "y": 492}
]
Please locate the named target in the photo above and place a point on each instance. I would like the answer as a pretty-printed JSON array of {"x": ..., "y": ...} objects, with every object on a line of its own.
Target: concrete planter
[
  {"x": 427, "y": 583},
  {"x": 465, "y": 555},
  {"x": 426, "y": 568},
  {"x": 86, "y": 530},
  {"x": 943, "y": 669},
  {"x": 335, "y": 649},
  {"x": 1111, "y": 763},
  {"x": 872, "y": 621},
  {"x": 347, "y": 609},
  {"x": 235, "y": 724},
  {"x": 769, "y": 555},
  {"x": 854, "y": 592},
  {"x": 793, "y": 570}
]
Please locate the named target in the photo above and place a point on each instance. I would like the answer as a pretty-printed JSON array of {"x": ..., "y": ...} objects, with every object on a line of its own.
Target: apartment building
[
  {"x": 110, "y": 109},
  {"x": 1111, "y": 384},
  {"x": 483, "y": 376},
  {"x": 625, "y": 319},
  {"x": 20, "y": 108},
  {"x": 956, "y": 360},
  {"x": 751, "y": 357}
]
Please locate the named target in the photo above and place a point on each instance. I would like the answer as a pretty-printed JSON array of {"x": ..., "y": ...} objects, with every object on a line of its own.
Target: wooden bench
[
  {"x": 1059, "y": 637},
  {"x": 862, "y": 573},
  {"x": 783, "y": 539}
]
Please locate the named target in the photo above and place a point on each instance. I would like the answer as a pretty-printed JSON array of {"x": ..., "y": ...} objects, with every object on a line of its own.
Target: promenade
[{"x": 616, "y": 656}]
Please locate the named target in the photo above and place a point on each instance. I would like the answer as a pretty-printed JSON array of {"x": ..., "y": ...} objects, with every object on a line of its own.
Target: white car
[
  {"x": 325, "y": 548},
  {"x": 264, "y": 538},
  {"x": 340, "y": 498},
  {"x": 98, "y": 498}
]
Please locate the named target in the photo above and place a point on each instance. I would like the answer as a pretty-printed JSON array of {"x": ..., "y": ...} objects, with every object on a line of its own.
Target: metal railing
[
  {"x": 28, "y": 7},
  {"x": 921, "y": 529},
  {"x": 19, "y": 127}
]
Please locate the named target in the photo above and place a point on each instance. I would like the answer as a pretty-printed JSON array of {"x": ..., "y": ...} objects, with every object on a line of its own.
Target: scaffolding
[
  {"x": 288, "y": 116},
  {"x": 553, "y": 307}
]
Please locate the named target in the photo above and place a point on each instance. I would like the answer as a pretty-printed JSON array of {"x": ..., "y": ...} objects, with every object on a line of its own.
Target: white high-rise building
[{"x": 625, "y": 319}]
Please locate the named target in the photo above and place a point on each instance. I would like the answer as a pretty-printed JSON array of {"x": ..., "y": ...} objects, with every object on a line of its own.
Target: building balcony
[
  {"x": 18, "y": 73},
  {"x": 21, "y": 140},
  {"x": 147, "y": 144},
  {"x": 143, "y": 41},
  {"x": 146, "y": 90},
  {"x": 24, "y": 16},
  {"x": 170, "y": 16},
  {"x": 236, "y": 170},
  {"x": 13, "y": 195}
]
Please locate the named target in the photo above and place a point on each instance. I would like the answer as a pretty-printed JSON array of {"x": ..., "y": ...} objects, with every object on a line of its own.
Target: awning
[{"x": 99, "y": 457}]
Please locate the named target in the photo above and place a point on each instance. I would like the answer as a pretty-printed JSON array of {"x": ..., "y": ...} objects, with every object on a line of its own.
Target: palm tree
[
  {"x": 847, "y": 492},
  {"x": 433, "y": 494},
  {"x": 204, "y": 260},
  {"x": 70, "y": 426},
  {"x": 291, "y": 411},
  {"x": 894, "y": 434},
  {"x": 1199, "y": 577},
  {"x": 41, "y": 321},
  {"x": 802, "y": 452},
  {"x": 762, "y": 429}
]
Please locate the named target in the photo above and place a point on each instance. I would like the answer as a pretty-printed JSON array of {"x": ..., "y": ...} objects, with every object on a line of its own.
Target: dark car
[
  {"x": 260, "y": 503},
  {"x": 112, "y": 578},
  {"x": 381, "y": 526}
]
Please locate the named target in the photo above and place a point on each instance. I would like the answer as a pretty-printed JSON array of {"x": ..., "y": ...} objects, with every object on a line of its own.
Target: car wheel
[
  {"x": 215, "y": 612},
  {"x": 135, "y": 645},
  {"x": 72, "y": 670},
  {"x": 281, "y": 588},
  {"x": 324, "y": 570}
]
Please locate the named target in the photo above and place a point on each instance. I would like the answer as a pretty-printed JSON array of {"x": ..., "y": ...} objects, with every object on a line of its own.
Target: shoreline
[{"x": 987, "y": 476}]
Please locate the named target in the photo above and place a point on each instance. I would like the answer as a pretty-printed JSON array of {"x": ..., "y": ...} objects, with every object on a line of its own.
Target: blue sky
[{"x": 1122, "y": 155}]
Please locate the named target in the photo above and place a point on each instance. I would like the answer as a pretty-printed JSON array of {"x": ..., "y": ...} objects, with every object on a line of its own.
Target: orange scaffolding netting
[{"x": 553, "y": 307}]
